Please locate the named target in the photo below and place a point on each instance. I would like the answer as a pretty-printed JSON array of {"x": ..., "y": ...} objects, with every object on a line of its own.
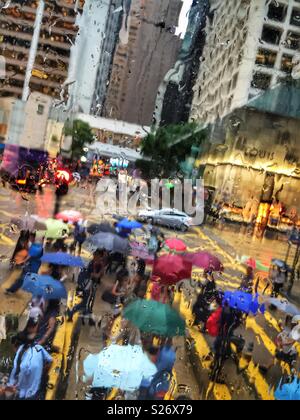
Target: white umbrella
[{"x": 121, "y": 367}]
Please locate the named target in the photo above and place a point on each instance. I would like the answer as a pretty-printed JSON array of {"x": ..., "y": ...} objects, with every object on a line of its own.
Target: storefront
[{"x": 257, "y": 158}]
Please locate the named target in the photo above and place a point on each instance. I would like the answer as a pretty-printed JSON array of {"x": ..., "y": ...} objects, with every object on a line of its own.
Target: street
[{"x": 242, "y": 379}]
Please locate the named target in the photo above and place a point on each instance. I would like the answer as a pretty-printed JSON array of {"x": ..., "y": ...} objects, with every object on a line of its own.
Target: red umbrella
[
  {"x": 175, "y": 244},
  {"x": 205, "y": 260},
  {"x": 172, "y": 268}
]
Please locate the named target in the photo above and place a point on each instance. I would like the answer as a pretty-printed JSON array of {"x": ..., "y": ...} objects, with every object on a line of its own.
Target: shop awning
[{"x": 112, "y": 151}]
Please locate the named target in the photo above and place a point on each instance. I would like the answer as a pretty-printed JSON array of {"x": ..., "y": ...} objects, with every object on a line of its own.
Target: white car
[{"x": 169, "y": 218}]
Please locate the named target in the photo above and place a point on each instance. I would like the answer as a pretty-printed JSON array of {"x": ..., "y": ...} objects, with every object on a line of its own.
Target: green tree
[
  {"x": 82, "y": 135},
  {"x": 165, "y": 150}
]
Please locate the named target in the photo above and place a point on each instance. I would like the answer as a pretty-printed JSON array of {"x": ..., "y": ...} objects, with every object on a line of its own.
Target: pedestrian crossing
[
  {"x": 264, "y": 328},
  {"x": 263, "y": 389}
]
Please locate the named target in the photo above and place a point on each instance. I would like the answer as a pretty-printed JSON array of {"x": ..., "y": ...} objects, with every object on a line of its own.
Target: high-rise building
[
  {"x": 111, "y": 33},
  {"x": 175, "y": 94},
  {"x": 147, "y": 50},
  {"x": 41, "y": 45},
  {"x": 250, "y": 47},
  {"x": 92, "y": 54}
]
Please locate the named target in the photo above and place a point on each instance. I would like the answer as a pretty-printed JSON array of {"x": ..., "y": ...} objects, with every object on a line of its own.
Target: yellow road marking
[{"x": 220, "y": 392}]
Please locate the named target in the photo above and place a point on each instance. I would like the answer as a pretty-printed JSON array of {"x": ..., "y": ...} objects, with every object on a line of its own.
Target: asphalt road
[{"x": 242, "y": 378}]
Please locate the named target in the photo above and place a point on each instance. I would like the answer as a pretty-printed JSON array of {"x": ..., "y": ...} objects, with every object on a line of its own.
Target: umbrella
[
  {"x": 295, "y": 333},
  {"x": 288, "y": 392},
  {"x": 109, "y": 241},
  {"x": 205, "y": 260},
  {"x": 55, "y": 229},
  {"x": 36, "y": 250},
  {"x": 62, "y": 258},
  {"x": 255, "y": 264},
  {"x": 121, "y": 367},
  {"x": 140, "y": 250},
  {"x": 70, "y": 216},
  {"x": 129, "y": 224},
  {"x": 244, "y": 302},
  {"x": 44, "y": 286},
  {"x": 102, "y": 227},
  {"x": 175, "y": 244},
  {"x": 284, "y": 306},
  {"x": 31, "y": 223},
  {"x": 172, "y": 269},
  {"x": 155, "y": 318}
]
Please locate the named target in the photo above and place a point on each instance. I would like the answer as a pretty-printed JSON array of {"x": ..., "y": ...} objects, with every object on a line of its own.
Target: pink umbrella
[
  {"x": 251, "y": 263},
  {"x": 172, "y": 268},
  {"x": 175, "y": 244},
  {"x": 205, "y": 260},
  {"x": 70, "y": 216}
]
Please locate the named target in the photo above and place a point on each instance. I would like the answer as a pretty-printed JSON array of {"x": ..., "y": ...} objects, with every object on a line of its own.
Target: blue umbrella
[
  {"x": 44, "y": 286},
  {"x": 121, "y": 367},
  {"x": 129, "y": 224},
  {"x": 288, "y": 392},
  {"x": 284, "y": 306},
  {"x": 62, "y": 258},
  {"x": 244, "y": 302}
]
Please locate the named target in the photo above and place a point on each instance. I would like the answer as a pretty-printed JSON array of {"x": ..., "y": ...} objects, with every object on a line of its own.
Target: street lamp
[{"x": 33, "y": 48}]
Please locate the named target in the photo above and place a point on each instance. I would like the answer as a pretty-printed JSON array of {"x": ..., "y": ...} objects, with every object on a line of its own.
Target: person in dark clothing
[
  {"x": 231, "y": 319},
  {"x": 209, "y": 288},
  {"x": 32, "y": 265},
  {"x": 201, "y": 311},
  {"x": 80, "y": 236},
  {"x": 84, "y": 290},
  {"x": 47, "y": 326}
]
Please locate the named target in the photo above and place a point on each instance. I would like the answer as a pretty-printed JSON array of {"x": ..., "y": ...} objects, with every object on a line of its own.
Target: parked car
[{"x": 169, "y": 218}]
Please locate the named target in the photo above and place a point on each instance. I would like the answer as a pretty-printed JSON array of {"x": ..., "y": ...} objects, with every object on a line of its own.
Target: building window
[
  {"x": 266, "y": 58},
  {"x": 261, "y": 81},
  {"x": 271, "y": 35},
  {"x": 277, "y": 11},
  {"x": 295, "y": 18},
  {"x": 293, "y": 41},
  {"x": 40, "y": 109},
  {"x": 287, "y": 63}
]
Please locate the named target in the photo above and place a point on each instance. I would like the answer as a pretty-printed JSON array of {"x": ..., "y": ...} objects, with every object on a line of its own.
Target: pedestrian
[
  {"x": 247, "y": 280},
  {"x": 119, "y": 292},
  {"x": 84, "y": 290},
  {"x": 159, "y": 292},
  {"x": 19, "y": 259},
  {"x": 80, "y": 236},
  {"x": 98, "y": 265},
  {"x": 30, "y": 363},
  {"x": 48, "y": 325},
  {"x": 208, "y": 287},
  {"x": 166, "y": 356},
  {"x": 286, "y": 350}
]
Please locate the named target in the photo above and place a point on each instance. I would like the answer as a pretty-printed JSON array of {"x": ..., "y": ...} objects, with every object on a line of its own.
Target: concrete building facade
[
  {"x": 251, "y": 45},
  {"x": 147, "y": 50},
  {"x": 111, "y": 34},
  {"x": 50, "y": 60},
  {"x": 28, "y": 121},
  {"x": 92, "y": 54}
]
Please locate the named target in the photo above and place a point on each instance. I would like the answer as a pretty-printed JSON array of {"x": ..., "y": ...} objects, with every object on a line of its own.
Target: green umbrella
[
  {"x": 55, "y": 229},
  {"x": 155, "y": 318}
]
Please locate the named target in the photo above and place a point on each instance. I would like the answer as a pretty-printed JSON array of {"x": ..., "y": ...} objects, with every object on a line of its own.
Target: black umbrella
[{"x": 102, "y": 227}]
